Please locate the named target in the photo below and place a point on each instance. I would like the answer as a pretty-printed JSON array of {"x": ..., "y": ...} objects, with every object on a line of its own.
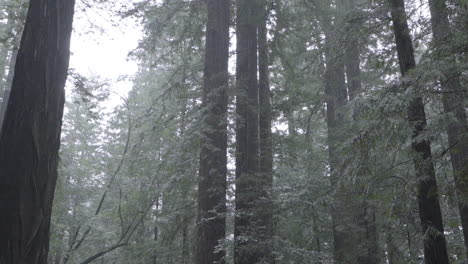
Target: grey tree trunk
[
  {"x": 213, "y": 156},
  {"x": 435, "y": 248},
  {"x": 30, "y": 134},
  {"x": 453, "y": 97},
  {"x": 265, "y": 143}
]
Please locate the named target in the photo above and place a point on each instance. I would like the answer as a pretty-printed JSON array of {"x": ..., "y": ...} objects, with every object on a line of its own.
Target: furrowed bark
[{"x": 30, "y": 134}]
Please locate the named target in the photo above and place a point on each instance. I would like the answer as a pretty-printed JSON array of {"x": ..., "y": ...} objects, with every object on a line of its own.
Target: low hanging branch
[{"x": 102, "y": 253}]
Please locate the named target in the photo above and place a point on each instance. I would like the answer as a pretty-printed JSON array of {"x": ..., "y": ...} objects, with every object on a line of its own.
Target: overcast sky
[{"x": 104, "y": 53}]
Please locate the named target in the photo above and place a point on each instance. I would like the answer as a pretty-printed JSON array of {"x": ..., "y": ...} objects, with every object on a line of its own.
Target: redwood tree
[
  {"x": 213, "y": 159},
  {"x": 453, "y": 96},
  {"x": 344, "y": 249},
  {"x": 247, "y": 133},
  {"x": 30, "y": 134},
  {"x": 435, "y": 248}
]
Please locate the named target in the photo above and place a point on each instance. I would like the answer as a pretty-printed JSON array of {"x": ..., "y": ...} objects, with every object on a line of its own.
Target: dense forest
[{"x": 255, "y": 131}]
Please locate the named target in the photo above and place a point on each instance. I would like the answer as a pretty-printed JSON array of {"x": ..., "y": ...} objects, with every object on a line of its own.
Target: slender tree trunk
[
  {"x": 213, "y": 156},
  {"x": 435, "y": 248},
  {"x": 394, "y": 254},
  {"x": 248, "y": 222},
  {"x": 185, "y": 248},
  {"x": 8, "y": 83},
  {"x": 453, "y": 97},
  {"x": 265, "y": 142},
  {"x": 3, "y": 64},
  {"x": 30, "y": 134},
  {"x": 316, "y": 229},
  {"x": 156, "y": 230},
  {"x": 367, "y": 242}
]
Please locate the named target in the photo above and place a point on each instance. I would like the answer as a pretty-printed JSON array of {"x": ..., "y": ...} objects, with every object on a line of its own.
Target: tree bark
[
  {"x": 30, "y": 134},
  {"x": 453, "y": 97},
  {"x": 213, "y": 156},
  {"x": 435, "y": 248}
]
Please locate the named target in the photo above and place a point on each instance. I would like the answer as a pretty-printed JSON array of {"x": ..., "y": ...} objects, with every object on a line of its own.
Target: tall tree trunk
[
  {"x": 213, "y": 156},
  {"x": 367, "y": 242},
  {"x": 435, "y": 248},
  {"x": 30, "y": 134},
  {"x": 265, "y": 140},
  {"x": 248, "y": 184},
  {"x": 344, "y": 250},
  {"x": 453, "y": 97}
]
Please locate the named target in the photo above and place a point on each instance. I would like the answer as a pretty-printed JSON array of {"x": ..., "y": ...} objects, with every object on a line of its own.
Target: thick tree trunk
[
  {"x": 435, "y": 248},
  {"x": 248, "y": 184},
  {"x": 213, "y": 156},
  {"x": 265, "y": 143},
  {"x": 30, "y": 134},
  {"x": 453, "y": 97}
]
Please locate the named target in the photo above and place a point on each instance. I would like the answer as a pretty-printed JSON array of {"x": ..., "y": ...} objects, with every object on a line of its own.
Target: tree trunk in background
[
  {"x": 265, "y": 142},
  {"x": 156, "y": 230},
  {"x": 342, "y": 223},
  {"x": 394, "y": 254},
  {"x": 185, "y": 254},
  {"x": 248, "y": 183},
  {"x": 453, "y": 97},
  {"x": 435, "y": 248},
  {"x": 15, "y": 22},
  {"x": 7, "y": 88},
  {"x": 3, "y": 64},
  {"x": 367, "y": 235},
  {"x": 213, "y": 156},
  {"x": 30, "y": 134},
  {"x": 344, "y": 250}
]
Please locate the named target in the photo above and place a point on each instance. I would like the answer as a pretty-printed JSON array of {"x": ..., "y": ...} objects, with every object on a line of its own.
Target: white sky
[{"x": 104, "y": 54}]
